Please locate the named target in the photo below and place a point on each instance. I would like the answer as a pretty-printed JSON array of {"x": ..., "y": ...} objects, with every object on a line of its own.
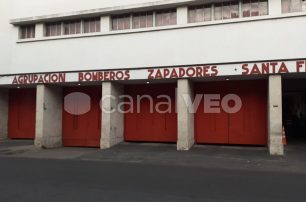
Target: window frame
[
  {"x": 289, "y": 9},
  {"x": 126, "y": 19},
  {"x": 140, "y": 15},
  {"x": 27, "y": 31},
  {"x": 163, "y": 12},
  {"x": 251, "y": 6},
  {"x": 59, "y": 29},
  {"x": 96, "y": 26},
  {"x": 70, "y": 24},
  {"x": 228, "y": 10},
  {"x": 203, "y": 7}
]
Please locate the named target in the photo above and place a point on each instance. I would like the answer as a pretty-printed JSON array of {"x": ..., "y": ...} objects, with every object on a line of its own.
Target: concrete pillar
[
  {"x": 275, "y": 122},
  {"x": 48, "y": 117},
  {"x": 182, "y": 15},
  {"x": 185, "y": 115},
  {"x": 275, "y": 7},
  {"x": 112, "y": 119},
  {"x": 105, "y": 23},
  {"x": 39, "y": 30},
  {"x": 3, "y": 113}
]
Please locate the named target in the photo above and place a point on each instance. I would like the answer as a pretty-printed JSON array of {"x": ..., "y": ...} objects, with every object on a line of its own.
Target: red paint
[
  {"x": 211, "y": 128},
  {"x": 22, "y": 113},
  {"x": 264, "y": 68},
  {"x": 300, "y": 65},
  {"x": 192, "y": 71},
  {"x": 146, "y": 126},
  {"x": 40, "y": 78},
  {"x": 83, "y": 130},
  {"x": 104, "y": 76},
  {"x": 247, "y": 127}
]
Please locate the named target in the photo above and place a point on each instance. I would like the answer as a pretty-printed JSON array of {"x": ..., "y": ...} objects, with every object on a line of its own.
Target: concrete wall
[
  {"x": 112, "y": 123},
  {"x": 269, "y": 39},
  {"x": 48, "y": 117},
  {"x": 275, "y": 122},
  {"x": 275, "y": 7},
  {"x": 245, "y": 41},
  {"x": 182, "y": 15},
  {"x": 185, "y": 114},
  {"x": 3, "y": 113},
  {"x": 7, "y": 36}
]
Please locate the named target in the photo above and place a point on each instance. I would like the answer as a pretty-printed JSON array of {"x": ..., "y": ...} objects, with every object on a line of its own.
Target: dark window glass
[
  {"x": 166, "y": 17},
  {"x": 92, "y": 25},
  {"x": 254, "y": 8},
  {"x": 27, "y": 32},
  {"x": 199, "y": 13},
  {"x": 121, "y": 22},
  {"x": 290, "y": 6},
  {"x": 53, "y": 29},
  {"x": 72, "y": 27}
]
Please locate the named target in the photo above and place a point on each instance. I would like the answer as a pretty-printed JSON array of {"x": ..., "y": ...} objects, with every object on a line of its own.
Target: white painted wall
[
  {"x": 6, "y": 32},
  {"x": 244, "y": 41}
]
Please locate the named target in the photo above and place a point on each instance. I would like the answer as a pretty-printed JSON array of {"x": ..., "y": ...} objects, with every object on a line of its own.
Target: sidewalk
[{"x": 205, "y": 156}]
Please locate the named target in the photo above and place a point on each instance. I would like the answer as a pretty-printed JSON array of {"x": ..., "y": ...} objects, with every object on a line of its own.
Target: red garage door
[
  {"x": 82, "y": 116},
  {"x": 22, "y": 113},
  {"x": 151, "y": 126},
  {"x": 211, "y": 127},
  {"x": 246, "y": 127}
]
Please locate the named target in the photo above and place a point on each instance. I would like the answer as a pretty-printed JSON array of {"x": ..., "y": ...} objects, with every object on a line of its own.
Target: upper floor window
[
  {"x": 53, "y": 29},
  {"x": 290, "y": 6},
  {"x": 142, "y": 20},
  {"x": 254, "y": 8},
  {"x": 166, "y": 17},
  {"x": 92, "y": 25},
  {"x": 199, "y": 13},
  {"x": 121, "y": 22},
  {"x": 227, "y": 10},
  {"x": 27, "y": 32},
  {"x": 72, "y": 27}
]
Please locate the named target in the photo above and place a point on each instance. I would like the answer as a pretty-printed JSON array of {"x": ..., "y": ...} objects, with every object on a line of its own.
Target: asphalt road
[{"x": 78, "y": 180}]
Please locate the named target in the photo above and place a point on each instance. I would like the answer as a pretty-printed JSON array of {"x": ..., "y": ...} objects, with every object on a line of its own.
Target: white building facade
[{"x": 249, "y": 48}]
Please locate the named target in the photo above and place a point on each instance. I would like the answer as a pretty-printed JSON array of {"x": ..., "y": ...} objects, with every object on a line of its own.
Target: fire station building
[{"x": 255, "y": 49}]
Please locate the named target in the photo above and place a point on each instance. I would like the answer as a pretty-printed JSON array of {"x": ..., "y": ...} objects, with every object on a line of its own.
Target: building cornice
[{"x": 105, "y": 11}]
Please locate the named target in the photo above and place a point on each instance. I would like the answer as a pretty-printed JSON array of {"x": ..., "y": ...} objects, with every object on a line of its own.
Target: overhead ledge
[{"x": 105, "y": 11}]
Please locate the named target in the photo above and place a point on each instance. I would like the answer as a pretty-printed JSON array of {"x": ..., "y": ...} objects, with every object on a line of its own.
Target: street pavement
[{"x": 149, "y": 172}]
